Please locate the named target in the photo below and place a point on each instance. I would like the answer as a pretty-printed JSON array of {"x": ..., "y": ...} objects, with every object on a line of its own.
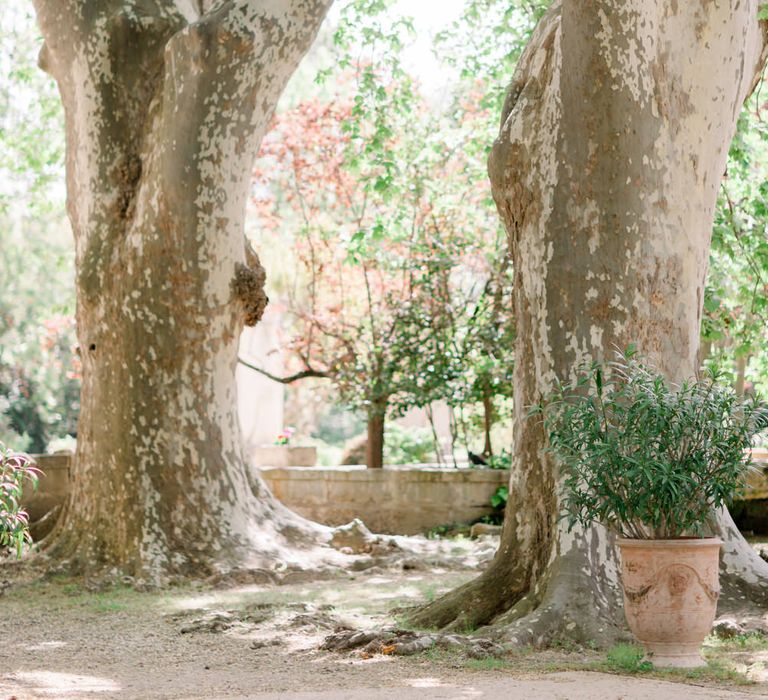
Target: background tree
[
  {"x": 606, "y": 177},
  {"x": 402, "y": 277},
  {"x": 39, "y": 378},
  {"x": 735, "y": 322},
  {"x": 165, "y": 106}
]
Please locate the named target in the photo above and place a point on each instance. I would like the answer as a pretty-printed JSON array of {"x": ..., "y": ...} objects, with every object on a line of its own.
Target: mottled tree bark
[
  {"x": 166, "y": 102},
  {"x": 613, "y": 141}
]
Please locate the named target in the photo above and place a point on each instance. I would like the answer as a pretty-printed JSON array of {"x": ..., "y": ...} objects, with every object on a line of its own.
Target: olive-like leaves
[{"x": 646, "y": 457}]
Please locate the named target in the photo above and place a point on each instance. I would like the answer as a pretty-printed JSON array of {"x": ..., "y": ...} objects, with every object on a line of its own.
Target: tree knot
[{"x": 248, "y": 286}]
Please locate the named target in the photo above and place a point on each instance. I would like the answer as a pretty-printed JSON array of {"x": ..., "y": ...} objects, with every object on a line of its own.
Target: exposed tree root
[
  {"x": 743, "y": 572},
  {"x": 299, "y": 551},
  {"x": 576, "y": 600},
  {"x": 577, "y": 607},
  {"x": 394, "y": 641},
  {"x": 475, "y": 604},
  {"x": 579, "y": 600}
]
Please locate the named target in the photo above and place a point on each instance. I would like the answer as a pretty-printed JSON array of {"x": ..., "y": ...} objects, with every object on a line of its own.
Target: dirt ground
[{"x": 68, "y": 639}]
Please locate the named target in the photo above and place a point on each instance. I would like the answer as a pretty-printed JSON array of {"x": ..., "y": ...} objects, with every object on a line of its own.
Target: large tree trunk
[
  {"x": 166, "y": 102},
  {"x": 613, "y": 141}
]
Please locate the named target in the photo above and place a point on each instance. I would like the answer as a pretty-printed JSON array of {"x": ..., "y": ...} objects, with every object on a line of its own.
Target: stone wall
[
  {"x": 53, "y": 488},
  {"x": 393, "y": 500},
  {"x": 396, "y": 500}
]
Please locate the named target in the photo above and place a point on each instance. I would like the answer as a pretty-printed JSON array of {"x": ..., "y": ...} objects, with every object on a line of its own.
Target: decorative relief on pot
[{"x": 673, "y": 587}]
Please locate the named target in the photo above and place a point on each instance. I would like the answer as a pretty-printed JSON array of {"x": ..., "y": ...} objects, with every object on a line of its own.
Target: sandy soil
[{"x": 61, "y": 640}]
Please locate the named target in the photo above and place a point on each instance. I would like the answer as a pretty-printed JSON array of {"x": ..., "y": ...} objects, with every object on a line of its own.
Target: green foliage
[
  {"x": 488, "y": 663},
  {"x": 501, "y": 461},
  {"x": 39, "y": 372},
  {"x": 749, "y": 641},
  {"x": 408, "y": 445},
  {"x": 499, "y": 498},
  {"x": 735, "y": 321},
  {"x": 485, "y": 43},
  {"x": 404, "y": 287},
  {"x": 335, "y": 425},
  {"x": 16, "y": 468},
  {"x": 644, "y": 457},
  {"x": 31, "y": 123},
  {"x": 370, "y": 42}
]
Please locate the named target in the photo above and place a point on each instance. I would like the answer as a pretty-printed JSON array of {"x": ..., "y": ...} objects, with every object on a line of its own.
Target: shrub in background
[{"x": 16, "y": 468}]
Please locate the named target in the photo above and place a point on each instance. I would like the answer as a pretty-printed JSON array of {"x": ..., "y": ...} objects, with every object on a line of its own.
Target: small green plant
[
  {"x": 501, "y": 461},
  {"x": 15, "y": 469},
  {"x": 645, "y": 457},
  {"x": 498, "y": 502},
  {"x": 565, "y": 644},
  {"x": 628, "y": 658},
  {"x": 499, "y": 498}
]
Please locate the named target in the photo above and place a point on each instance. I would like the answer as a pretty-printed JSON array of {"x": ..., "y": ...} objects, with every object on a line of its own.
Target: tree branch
[{"x": 304, "y": 374}]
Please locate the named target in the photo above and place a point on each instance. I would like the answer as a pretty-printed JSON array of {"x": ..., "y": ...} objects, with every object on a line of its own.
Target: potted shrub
[
  {"x": 15, "y": 469},
  {"x": 651, "y": 461}
]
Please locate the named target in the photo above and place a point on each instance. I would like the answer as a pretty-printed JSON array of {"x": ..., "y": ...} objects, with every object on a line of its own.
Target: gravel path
[{"x": 62, "y": 641}]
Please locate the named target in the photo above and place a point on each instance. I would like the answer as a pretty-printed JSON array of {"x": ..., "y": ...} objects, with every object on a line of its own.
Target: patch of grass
[
  {"x": 435, "y": 653},
  {"x": 630, "y": 659},
  {"x": 627, "y": 658},
  {"x": 429, "y": 591},
  {"x": 490, "y": 663},
  {"x": 464, "y": 626},
  {"x": 521, "y": 651},
  {"x": 403, "y": 622},
  {"x": 752, "y": 641},
  {"x": 715, "y": 670},
  {"x": 106, "y": 604}
]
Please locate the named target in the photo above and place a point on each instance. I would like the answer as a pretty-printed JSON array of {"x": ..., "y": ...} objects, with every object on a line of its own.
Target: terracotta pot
[{"x": 670, "y": 596}]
